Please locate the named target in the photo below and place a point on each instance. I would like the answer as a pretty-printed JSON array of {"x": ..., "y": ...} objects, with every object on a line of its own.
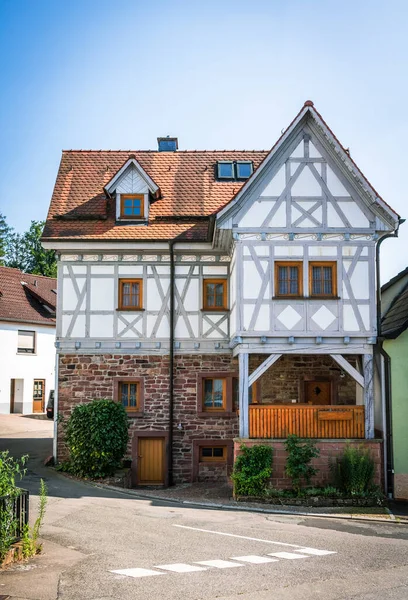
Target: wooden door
[
  {"x": 12, "y": 393},
  {"x": 318, "y": 392},
  {"x": 150, "y": 461},
  {"x": 38, "y": 395}
]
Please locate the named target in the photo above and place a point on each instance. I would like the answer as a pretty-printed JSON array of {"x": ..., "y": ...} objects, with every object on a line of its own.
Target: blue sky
[{"x": 232, "y": 74}]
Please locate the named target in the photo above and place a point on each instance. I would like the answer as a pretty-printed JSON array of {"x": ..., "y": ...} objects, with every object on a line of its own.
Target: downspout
[
  {"x": 171, "y": 366},
  {"x": 55, "y": 439},
  {"x": 388, "y": 456}
]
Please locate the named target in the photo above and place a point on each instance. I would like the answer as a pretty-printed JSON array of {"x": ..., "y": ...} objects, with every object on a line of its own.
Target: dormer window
[
  {"x": 225, "y": 170},
  {"x": 132, "y": 206}
]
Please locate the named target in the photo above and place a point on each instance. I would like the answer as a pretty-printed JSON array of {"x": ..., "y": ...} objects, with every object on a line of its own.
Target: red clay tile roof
[
  {"x": 190, "y": 194},
  {"x": 23, "y": 296}
]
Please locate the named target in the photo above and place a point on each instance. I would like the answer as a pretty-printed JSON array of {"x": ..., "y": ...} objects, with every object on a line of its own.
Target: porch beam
[
  {"x": 346, "y": 366},
  {"x": 243, "y": 396},
  {"x": 272, "y": 358},
  {"x": 368, "y": 369}
]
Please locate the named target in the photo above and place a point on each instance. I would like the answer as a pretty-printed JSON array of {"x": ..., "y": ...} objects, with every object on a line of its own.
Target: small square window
[
  {"x": 244, "y": 170},
  {"x": 132, "y": 206},
  {"x": 130, "y": 294},
  {"x": 213, "y": 453},
  {"x": 26, "y": 342},
  {"x": 225, "y": 170},
  {"x": 215, "y": 294},
  {"x": 288, "y": 279}
]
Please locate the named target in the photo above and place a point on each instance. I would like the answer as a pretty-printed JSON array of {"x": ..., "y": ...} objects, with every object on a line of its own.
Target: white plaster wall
[{"x": 25, "y": 367}]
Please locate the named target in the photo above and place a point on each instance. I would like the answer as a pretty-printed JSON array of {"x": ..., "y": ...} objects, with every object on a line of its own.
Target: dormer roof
[{"x": 111, "y": 186}]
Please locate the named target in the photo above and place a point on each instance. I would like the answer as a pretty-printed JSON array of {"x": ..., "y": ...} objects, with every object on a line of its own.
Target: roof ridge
[{"x": 163, "y": 153}]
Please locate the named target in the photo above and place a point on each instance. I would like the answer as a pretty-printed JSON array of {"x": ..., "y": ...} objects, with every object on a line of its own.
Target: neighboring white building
[{"x": 27, "y": 336}]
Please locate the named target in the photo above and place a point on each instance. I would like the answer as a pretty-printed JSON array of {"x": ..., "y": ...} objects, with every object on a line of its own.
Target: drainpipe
[
  {"x": 387, "y": 416},
  {"x": 388, "y": 456},
  {"x": 55, "y": 440},
  {"x": 171, "y": 365}
]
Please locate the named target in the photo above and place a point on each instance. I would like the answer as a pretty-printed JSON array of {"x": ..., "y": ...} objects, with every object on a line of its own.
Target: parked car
[{"x": 50, "y": 405}]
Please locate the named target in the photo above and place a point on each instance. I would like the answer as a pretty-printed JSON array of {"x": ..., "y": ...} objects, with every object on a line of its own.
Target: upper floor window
[
  {"x": 130, "y": 294},
  {"x": 228, "y": 169},
  {"x": 322, "y": 279},
  {"x": 132, "y": 206},
  {"x": 26, "y": 342},
  {"x": 288, "y": 279},
  {"x": 215, "y": 294}
]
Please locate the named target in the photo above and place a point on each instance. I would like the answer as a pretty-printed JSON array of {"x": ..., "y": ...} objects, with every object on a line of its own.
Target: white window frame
[
  {"x": 20, "y": 350},
  {"x": 136, "y": 219}
]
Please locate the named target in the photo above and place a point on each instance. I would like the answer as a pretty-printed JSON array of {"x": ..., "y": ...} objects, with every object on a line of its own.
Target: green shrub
[
  {"x": 252, "y": 470},
  {"x": 97, "y": 437},
  {"x": 300, "y": 454},
  {"x": 11, "y": 469},
  {"x": 353, "y": 471}
]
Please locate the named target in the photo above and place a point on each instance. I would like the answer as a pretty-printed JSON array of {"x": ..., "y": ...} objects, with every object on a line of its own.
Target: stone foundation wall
[
  {"x": 84, "y": 378},
  {"x": 281, "y": 383},
  {"x": 328, "y": 450},
  {"x": 401, "y": 486}
]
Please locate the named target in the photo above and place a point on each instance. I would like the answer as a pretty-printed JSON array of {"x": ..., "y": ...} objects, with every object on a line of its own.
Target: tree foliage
[{"x": 24, "y": 250}]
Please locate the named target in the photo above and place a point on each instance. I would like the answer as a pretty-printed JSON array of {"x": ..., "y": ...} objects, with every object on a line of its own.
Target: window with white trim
[{"x": 26, "y": 342}]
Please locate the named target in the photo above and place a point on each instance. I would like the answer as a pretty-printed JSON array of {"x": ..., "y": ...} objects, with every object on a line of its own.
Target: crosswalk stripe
[
  {"x": 137, "y": 572},
  {"x": 219, "y": 564},
  {"x": 256, "y": 560},
  {"x": 180, "y": 568},
  {"x": 288, "y": 555},
  {"x": 316, "y": 552}
]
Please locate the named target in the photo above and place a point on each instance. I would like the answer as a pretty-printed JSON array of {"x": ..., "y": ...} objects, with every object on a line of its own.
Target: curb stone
[{"x": 214, "y": 505}]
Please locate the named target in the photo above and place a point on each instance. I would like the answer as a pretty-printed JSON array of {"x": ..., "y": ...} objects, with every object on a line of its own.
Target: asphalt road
[{"x": 101, "y": 545}]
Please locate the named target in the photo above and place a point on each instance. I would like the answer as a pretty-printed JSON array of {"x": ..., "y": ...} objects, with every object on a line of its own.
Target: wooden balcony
[{"x": 306, "y": 421}]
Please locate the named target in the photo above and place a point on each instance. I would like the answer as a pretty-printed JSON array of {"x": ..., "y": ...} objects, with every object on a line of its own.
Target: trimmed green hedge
[{"x": 97, "y": 437}]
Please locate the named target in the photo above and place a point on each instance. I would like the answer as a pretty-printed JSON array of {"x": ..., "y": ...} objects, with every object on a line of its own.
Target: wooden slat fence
[{"x": 321, "y": 422}]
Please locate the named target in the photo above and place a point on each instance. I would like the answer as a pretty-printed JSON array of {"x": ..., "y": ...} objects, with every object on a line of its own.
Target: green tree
[
  {"x": 24, "y": 250},
  {"x": 38, "y": 260},
  {"x": 5, "y": 231}
]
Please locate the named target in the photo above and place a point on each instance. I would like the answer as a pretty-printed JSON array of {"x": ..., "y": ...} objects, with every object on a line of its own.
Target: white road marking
[
  {"x": 219, "y": 564},
  {"x": 256, "y": 560},
  {"x": 316, "y": 552},
  {"x": 288, "y": 555},
  {"x": 180, "y": 568},
  {"x": 137, "y": 572},
  {"x": 243, "y": 537}
]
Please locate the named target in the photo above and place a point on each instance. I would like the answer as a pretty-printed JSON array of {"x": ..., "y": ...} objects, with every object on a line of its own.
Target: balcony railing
[{"x": 306, "y": 421}]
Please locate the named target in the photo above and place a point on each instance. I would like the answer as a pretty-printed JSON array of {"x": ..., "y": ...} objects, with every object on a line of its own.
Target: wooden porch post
[
  {"x": 368, "y": 395},
  {"x": 243, "y": 396}
]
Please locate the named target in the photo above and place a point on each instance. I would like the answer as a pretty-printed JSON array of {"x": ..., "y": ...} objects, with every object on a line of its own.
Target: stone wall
[
  {"x": 281, "y": 383},
  {"x": 84, "y": 378},
  {"x": 328, "y": 450}
]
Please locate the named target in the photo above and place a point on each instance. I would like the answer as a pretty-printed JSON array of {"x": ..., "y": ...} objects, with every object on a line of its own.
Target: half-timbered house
[{"x": 220, "y": 296}]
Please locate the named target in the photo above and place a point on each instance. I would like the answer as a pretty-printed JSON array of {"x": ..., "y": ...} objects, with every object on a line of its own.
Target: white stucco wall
[{"x": 25, "y": 367}]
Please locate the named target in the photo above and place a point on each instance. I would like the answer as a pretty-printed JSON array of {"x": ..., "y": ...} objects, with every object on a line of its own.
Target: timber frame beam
[
  {"x": 272, "y": 358},
  {"x": 346, "y": 366}
]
